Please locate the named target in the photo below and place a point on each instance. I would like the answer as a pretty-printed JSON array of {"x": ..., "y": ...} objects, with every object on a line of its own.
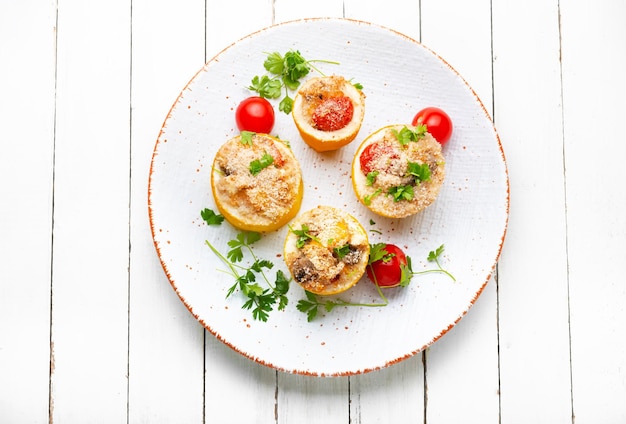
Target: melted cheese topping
[
  {"x": 259, "y": 200},
  {"x": 317, "y": 266},
  {"x": 392, "y": 165}
]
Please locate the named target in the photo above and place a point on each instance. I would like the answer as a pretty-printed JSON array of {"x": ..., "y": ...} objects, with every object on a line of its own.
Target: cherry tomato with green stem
[
  {"x": 255, "y": 114},
  {"x": 437, "y": 122},
  {"x": 388, "y": 265}
]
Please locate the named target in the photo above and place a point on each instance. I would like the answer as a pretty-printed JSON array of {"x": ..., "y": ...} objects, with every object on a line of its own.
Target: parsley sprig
[
  {"x": 258, "y": 165},
  {"x": 285, "y": 72},
  {"x": 421, "y": 172},
  {"x": 407, "y": 135},
  {"x": 407, "y": 272},
  {"x": 303, "y": 235},
  {"x": 261, "y": 300},
  {"x": 210, "y": 217},
  {"x": 403, "y": 192},
  {"x": 312, "y": 304}
]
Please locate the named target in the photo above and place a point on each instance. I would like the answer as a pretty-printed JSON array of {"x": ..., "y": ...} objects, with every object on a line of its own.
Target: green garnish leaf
[
  {"x": 406, "y": 272},
  {"x": 342, "y": 251},
  {"x": 286, "y": 105},
  {"x": 367, "y": 199},
  {"x": 210, "y": 217},
  {"x": 274, "y": 63},
  {"x": 303, "y": 235},
  {"x": 421, "y": 172},
  {"x": 433, "y": 255},
  {"x": 401, "y": 193},
  {"x": 246, "y": 137},
  {"x": 269, "y": 88},
  {"x": 371, "y": 177},
  {"x": 286, "y": 72},
  {"x": 243, "y": 239},
  {"x": 379, "y": 253},
  {"x": 406, "y": 135},
  {"x": 258, "y": 165},
  {"x": 257, "y": 298}
]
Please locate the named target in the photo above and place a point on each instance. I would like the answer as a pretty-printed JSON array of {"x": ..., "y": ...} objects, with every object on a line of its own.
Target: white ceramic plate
[{"x": 399, "y": 76}]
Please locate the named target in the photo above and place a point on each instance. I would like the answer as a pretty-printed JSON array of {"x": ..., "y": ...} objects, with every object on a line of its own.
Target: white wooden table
[{"x": 90, "y": 328}]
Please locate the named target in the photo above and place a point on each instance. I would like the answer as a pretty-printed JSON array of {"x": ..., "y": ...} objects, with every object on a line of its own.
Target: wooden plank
[
  {"x": 238, "y": 390},
  {"x": 376, "y": 396},
  {"x": 533, "y": 292},
  {"x": 398, "y": 15},
  {"x": 166, "y": 343},
  {"x": 288, "y": 10},
  {"x": 229, "y": 377},
  {"x": 319, "y": 400},
  {"x": 393, "y": 395},
  {"x": 463, "y": 365},
  {"x": 91, "y": 216},
  {"x": 594, "y": 89},
  {"x": 258, "y": 15},
  {"x": 314, "y": 400},
  {"x": 27, "y": 51}
]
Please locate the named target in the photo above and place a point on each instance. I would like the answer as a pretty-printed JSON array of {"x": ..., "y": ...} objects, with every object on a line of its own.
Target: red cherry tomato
[
  {"x": 333, "y": 113},
  {"x": 437, "y": 121},
  {"x": 255, "y": 114},
  {"x": 387, "y": 272},
  {"x": 372, "y": 154}
]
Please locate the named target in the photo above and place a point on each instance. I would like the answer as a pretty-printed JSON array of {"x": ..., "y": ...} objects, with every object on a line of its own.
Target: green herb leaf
[
  {"x": 406, "y": 135},
  {"x": 433, "y": 255},
  {"x": 286, "y": 105},
  {"x": 406, "y": 273},
  {"x": 371, "y": 177},
  {"x": 259, "y": 299},
  {"x": 378, "y": 253},
  {"x": 342, "y": 251},
  {"x": 246, "y": 137},
  {"x": 274, "y": 63},
  {"x": 287, "y": 70},
  {"x": 303, "y": 235},
  {"x": 269, "y": 88},
  {"x": 258, "y": 165},
  {"x": 367, "y": 199},
  {"x": 210, "y": 217},
  {"x": 421, "y": 172},
  {"x": 401, "y": 193}
]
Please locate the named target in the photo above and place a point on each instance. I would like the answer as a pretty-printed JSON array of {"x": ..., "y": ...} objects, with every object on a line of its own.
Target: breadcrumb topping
[
  {"x": 317, "y": 266},
  {"x": 390, "y": 163},
  {"x": 263, "y": 197}
]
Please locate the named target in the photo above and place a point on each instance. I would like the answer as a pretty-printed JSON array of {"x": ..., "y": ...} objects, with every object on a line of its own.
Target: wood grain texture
[
  {"x": 27, "y": 85},
  {"x": 84, "y": 89},
  {"x": 533, "y": 289},
  {"x": 594, "y": 90},
  {"x": 166, "y": 343},
  {"x": 465, "y": 360},
  {"x": 91, "y": 216}
]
